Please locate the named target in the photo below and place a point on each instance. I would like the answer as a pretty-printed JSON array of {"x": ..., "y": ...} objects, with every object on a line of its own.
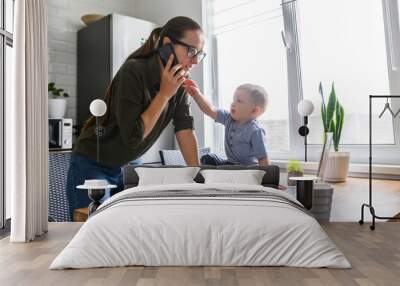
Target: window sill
[{"x": 379, "y": 171}]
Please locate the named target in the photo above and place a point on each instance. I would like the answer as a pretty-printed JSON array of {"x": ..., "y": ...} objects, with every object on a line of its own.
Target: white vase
[
  {"x": 337, "y": 168},
  {"x": 57, "y": 107}
]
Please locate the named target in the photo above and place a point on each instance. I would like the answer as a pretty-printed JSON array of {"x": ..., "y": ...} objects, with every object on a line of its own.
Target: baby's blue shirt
[{"x": 244, "y": 144}]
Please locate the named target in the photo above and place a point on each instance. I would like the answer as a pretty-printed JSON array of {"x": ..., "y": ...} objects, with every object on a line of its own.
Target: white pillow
[
  {"x": 248, "y": 177},
  {"x": 165, "y": 176}
]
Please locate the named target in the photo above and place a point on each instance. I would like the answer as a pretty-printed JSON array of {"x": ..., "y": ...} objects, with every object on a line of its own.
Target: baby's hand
[{"x": 191, "y": 88}]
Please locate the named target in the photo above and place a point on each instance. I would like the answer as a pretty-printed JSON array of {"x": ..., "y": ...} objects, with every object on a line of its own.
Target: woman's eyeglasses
[{"x": 192, "y": 52}]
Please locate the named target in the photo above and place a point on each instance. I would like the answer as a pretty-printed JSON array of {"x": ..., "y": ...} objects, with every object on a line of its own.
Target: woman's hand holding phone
[{"x": 171, "y": 80}]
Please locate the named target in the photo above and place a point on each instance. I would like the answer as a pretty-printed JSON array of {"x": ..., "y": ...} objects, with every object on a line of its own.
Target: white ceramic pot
[
  {"x": 57, "y": 107},
  {"x": 337, "y": 168}
]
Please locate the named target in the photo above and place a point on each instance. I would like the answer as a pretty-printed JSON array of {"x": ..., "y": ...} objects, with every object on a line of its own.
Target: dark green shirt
[{"x": 134, "y": 87}]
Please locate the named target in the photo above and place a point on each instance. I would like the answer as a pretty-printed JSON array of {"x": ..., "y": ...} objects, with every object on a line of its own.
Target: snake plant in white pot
[
  {"x": 332, "y": 114},
  {"x": 57, "y": 104}
]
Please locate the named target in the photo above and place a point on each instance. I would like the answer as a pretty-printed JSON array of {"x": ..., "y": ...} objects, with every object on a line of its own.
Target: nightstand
[
  {"x": 322, "y": 195},
  {"x": 96, "y": 190},
  {"x": 304, "y": 190}
]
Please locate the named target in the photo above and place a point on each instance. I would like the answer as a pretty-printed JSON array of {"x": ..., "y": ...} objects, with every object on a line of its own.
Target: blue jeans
[{"x": 82, "y": 168}]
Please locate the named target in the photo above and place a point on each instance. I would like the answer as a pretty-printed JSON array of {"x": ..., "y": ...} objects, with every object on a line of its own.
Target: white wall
[
  {"x": 160, "y": 11},
  {"x": 64, "y": 20}
]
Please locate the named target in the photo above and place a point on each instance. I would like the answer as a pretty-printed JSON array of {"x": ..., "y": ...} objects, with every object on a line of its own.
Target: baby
[{"x": 244, "y": 137}]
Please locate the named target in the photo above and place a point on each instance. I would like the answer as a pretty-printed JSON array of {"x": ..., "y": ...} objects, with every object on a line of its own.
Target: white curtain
[{"x": 26, "y": 124}]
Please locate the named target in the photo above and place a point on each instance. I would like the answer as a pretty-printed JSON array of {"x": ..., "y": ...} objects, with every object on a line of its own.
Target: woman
[{"x": 141, "y": 100}]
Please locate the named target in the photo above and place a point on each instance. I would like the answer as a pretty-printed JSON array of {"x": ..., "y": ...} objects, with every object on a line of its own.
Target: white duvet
[{"x": 200, "y": 231}]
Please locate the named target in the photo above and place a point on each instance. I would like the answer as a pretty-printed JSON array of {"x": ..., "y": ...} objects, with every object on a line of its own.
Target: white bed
[{"x": 245, "y": 228}]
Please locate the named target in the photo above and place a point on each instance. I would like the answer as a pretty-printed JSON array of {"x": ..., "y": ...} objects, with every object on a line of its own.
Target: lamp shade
[
  {"x": 305, "y": 107},
  {"x": 98, "y": 107}
]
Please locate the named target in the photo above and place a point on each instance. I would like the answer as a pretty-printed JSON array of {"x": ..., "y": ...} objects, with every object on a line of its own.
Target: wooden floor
[
  {"x": 350, "y": 195},
  {"x": 374, "y": 255}
]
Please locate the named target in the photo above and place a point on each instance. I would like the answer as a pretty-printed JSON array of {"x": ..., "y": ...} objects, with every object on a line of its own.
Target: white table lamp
[
  {"x": 305, "y": 108},
  {"x": 98, "y": 108},
  {"x": 96, "y": 187}
]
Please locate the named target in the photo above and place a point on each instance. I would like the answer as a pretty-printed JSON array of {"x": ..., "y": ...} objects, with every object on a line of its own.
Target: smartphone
[{"x": 165, "y": 52}]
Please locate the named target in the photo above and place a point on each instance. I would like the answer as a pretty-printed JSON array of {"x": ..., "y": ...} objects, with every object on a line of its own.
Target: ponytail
[{"x": 149, "y": 47}]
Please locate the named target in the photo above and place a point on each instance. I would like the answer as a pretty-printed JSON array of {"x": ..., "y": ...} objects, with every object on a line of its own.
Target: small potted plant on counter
[
  {"x": 294, "y": 169},
  {"x": 57, "y": 101},
  {"x": 332, "y": 115}
]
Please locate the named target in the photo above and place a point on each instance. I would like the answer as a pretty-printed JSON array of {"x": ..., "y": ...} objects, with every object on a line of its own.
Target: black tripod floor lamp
[{"x": 305, "y": 108}]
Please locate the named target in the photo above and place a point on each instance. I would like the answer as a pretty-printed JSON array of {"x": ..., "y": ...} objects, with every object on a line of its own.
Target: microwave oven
[{"x": 60, "y": 133}]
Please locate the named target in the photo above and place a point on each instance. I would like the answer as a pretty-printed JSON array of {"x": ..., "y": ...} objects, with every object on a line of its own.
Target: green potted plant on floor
[
  {"x": 294, "y": 169},
  {"x": 57, "y": 101},
  {"x": 332, "y": 114}
]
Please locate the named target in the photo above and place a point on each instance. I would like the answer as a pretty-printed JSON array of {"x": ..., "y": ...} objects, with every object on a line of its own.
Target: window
[
  {"x": 354, "y": 44},
  {"x": 250, "y": 50},
  {"x": 6, "y": 43},
  {"x": 347, "y": 47},
  {"x": 9, "y": 16}
]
